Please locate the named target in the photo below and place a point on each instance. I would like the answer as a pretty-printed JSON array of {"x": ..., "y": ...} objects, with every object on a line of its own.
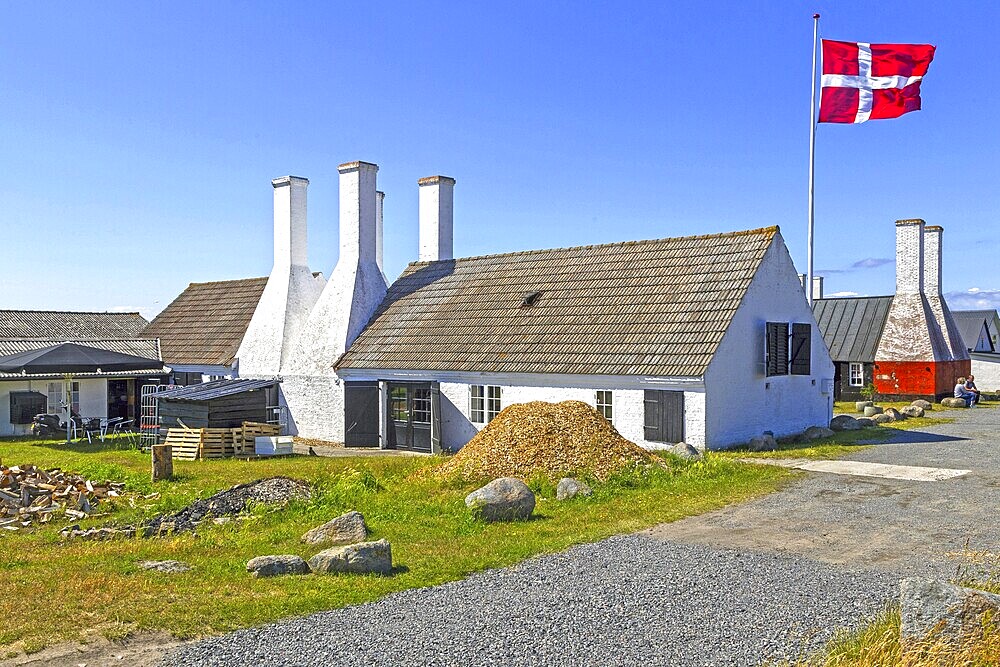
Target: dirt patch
[
  {"x": 548, "y": 439},
  {"x": 146, "y": 649}
]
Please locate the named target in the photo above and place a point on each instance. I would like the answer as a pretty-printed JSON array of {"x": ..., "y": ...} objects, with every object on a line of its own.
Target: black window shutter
[
  {"x": 652, "y": 418},
  {"x": 777, "y": 348},
  {"x": 801, "y": 349}
]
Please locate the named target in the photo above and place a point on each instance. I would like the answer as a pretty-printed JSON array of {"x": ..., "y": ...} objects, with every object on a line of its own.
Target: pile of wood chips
[
  {"x": 29, "y": 494},
  {"x": 548, "y": 439}
]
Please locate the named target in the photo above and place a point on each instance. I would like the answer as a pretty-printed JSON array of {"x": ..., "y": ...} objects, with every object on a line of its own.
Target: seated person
[
  {"x": 963, "y": 393},
  {"x": 970, "y": 385}
]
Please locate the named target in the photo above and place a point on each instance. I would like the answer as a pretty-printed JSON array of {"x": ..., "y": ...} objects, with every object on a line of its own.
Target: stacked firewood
[{"x": 29, "y": 494}]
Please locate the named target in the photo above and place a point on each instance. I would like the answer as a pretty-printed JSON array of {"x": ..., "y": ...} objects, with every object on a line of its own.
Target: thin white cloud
[
  {"x": 148, "y": 312},
  {"x": 974, "y": 298},
  {"x": 871, "y": 262}
]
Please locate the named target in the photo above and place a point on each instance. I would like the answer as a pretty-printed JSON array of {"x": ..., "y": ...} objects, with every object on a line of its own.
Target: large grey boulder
[
  {"x": 686, "y": 451},
  {"x": 894, "y": 414},
  {"x": 913, "y": 411},
  {"x": 571, "y": 488},
  {"x": 503, "y": 499},
  {"x": 860, "y": 406},
  {"x": 273, "y": 566},
  {"x": 882, "y": 419},
  {"x": 921, "y": 403},
  {"x": 866, "y": 422},
  {"x": 363, "y": 558},
  {"x": 345, "y": 529},
  {"x": 953, "y": 402},
  {"x": 817, "y": 433},
  {"x": 763, "y": 443},
  {"x": 952, "y": 612},
  {"x": 845, "y": 423},
  {"x": 872, "y": 410}
]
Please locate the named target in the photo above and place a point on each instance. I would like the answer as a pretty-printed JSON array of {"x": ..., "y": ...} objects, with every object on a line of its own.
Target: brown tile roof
[
  {"x": 657, "y": 308},
  {"x": 68, "y": 325},
  {"x": 206, "y": 323}
]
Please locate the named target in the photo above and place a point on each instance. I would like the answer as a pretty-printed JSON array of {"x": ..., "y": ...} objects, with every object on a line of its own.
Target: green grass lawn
[{"x": 57, "y": 590}]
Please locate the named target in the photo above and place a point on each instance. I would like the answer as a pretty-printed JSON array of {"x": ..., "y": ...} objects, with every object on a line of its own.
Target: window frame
[
  {"x": 61, "y": 396},
  {"x": 485, "y": 402},
  {"x": 606, "y": 406},
  {"x": 851, "y": 366},
  {"x": 776, "y": 357}
]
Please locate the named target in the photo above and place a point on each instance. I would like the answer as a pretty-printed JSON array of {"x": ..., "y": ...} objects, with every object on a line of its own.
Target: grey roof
[
  {"x": 149, "y": 349},
  {"x": 970, "y": 324},
  {"x": 853, "y": 326},
  {"x": 215, "y": 389},
  {"x": 67, "y": 325},
  {"x": 654, "y": 308}
]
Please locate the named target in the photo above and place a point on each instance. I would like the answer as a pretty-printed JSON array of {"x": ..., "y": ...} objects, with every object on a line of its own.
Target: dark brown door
[{"x": 410, "y": 413}]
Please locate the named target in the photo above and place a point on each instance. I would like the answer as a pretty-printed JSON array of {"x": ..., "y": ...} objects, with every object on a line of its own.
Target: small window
[
  {"x": 857, "y": 372},
  {"x": 397, "y": 404},
  {"x": 422, "y": 406},
  {"x": 57, "y": 397},
  {"x": 604, "y": 405},
  {"x": 777, "y": 348},
  {"x": 801, "y": 355},
  {"x": 484, "y": 403}
]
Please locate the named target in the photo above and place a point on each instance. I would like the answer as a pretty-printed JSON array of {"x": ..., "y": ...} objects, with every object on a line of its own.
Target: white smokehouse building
[{"x": 706, "y": 339}]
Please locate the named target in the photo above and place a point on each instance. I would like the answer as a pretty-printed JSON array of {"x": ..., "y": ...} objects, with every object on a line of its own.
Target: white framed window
[
  {"x": 857, "y": 374},
  {"x": 484, "y": 403},
  {"x": 605, "y": 405},
  {"x": 56, "y": 397}
]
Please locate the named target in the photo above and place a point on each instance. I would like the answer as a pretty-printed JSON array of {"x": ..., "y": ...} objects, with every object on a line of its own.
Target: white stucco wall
[
  {"x": 987, "y": 371},
  {"x": 741, "y": 402},
  {"x": 315, "y": 406},
  {"x": 627, "y": 407}
]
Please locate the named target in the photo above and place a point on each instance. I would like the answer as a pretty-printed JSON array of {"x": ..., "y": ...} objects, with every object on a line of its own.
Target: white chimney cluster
[
  {"x": 920, "y": 327},
  {"x": 303, "y": 323}
]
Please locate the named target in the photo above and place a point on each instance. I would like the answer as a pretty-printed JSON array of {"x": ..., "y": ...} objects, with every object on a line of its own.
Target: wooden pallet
[
  {"x": 250, "y": 431},
  {"x": 185, "y": 443},
  {"x": 192, "y": 444}
]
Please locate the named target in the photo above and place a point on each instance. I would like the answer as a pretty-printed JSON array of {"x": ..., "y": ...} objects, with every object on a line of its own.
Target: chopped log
[{"x": 163, "y": 462}]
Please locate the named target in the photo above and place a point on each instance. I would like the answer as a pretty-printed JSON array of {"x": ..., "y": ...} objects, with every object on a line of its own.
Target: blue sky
[{"x": 139, "y": 139}]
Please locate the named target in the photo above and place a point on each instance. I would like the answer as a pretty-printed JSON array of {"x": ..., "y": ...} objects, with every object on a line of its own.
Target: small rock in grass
[
  {"x": 817, "y": 433},
  {"x": 894, "y": 414},
  {"x": 503, "y": 499},
  {"x": 686, "y": 451},
  {"x": 844, "y": 423},
  {"x": 763, "y": 443},
  {"x": 921, "y": 403},
  {"x": 165, "y": 566},
  {"x": 571, "y": 488},
  {"x": 860, "y": 406},
  {"x": 273, "y": 566},
  {"x": 953, "y": 402},
  {"x": 873, "y": 410},
  {"x": 953, "y": 613},
  {"x": 913, "y": 411},
  {"x": 866, "y": 422},
  {"x": 882, "y": 419},
  {"x": 345, "y": 529},
  {"x": 362, "y": 558}
]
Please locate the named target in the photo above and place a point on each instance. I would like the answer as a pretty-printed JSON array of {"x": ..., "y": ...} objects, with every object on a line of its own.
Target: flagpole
[{"x": 812, "y": 166}]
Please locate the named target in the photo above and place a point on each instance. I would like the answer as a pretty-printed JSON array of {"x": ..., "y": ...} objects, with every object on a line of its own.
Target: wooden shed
[{"x": 218, "y": 404}]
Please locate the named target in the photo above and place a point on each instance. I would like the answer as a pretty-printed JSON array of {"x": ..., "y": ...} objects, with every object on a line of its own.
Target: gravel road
[{"x": 627, "y": 600}]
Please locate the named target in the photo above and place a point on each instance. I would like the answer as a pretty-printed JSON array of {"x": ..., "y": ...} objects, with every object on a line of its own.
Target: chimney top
[
  {"x": 432, "y": 180},
  {"x": 357, "y": 164},
  {"x": 933, "y": 228},
  {"x": 287, "y": 180},
  {"x": 909, "y": 221}
]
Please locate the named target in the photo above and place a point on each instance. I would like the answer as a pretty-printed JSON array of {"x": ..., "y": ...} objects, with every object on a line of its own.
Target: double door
[{"x": 411, "y": 416}]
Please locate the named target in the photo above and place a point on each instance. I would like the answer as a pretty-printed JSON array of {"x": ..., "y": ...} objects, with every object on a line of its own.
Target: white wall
[
  {"x": 315, "y": 406},
  {"x": 987, "y": 371},
  {"x": 93, "y": 401},
  {"x": 741, "y": 402},
  {"x": 627, "y": 407}
]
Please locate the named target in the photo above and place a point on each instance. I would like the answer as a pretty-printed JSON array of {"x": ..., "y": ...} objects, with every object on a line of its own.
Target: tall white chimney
[
  {"x": 932, "y": 259},
  {"x": 356, "y": 286},
  {"x": 379, "y": 254},
  {"x": 291, "y": 289},
  {"x": 437, "y": 206},
  {"x": 933, "y": 237},
  {"x": 909, "y": 256},
  {"x": 817, "y": 287}
]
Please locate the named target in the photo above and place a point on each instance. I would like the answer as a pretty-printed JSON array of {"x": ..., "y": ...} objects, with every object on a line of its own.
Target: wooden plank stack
[
  {"x": 192, "y": 444},
  {"x": 29, "y": 494}
]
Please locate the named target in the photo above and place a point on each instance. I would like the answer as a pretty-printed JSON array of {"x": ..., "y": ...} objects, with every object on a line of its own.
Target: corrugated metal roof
[
  {"x": 69, "y": 325},
  {"x": 655, "y": 307},
  {"x": 205, "y": 324},
  {"x": 214, "y": 389},
  {"x": 137, "y": 347},
  {"x": 852, "y": 327},
  {"x": 970, "y": 324}
]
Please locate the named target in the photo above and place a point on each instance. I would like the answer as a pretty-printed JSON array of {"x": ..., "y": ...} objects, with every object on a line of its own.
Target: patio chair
[
  {"x": 109, "y": 425},
  {"x": 126, "y": 427}
]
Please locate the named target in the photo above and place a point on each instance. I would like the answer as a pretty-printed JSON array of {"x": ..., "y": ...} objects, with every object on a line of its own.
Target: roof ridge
[
  {"x": 72, "y": 312},
  {"x": 773, "y": 229},
  {"x": 845, "y": 298},
  {"x": 228, "y": 280}
]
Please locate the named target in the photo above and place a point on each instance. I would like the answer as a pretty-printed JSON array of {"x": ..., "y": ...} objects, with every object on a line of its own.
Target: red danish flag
[{"x": 863, "y": 81}]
